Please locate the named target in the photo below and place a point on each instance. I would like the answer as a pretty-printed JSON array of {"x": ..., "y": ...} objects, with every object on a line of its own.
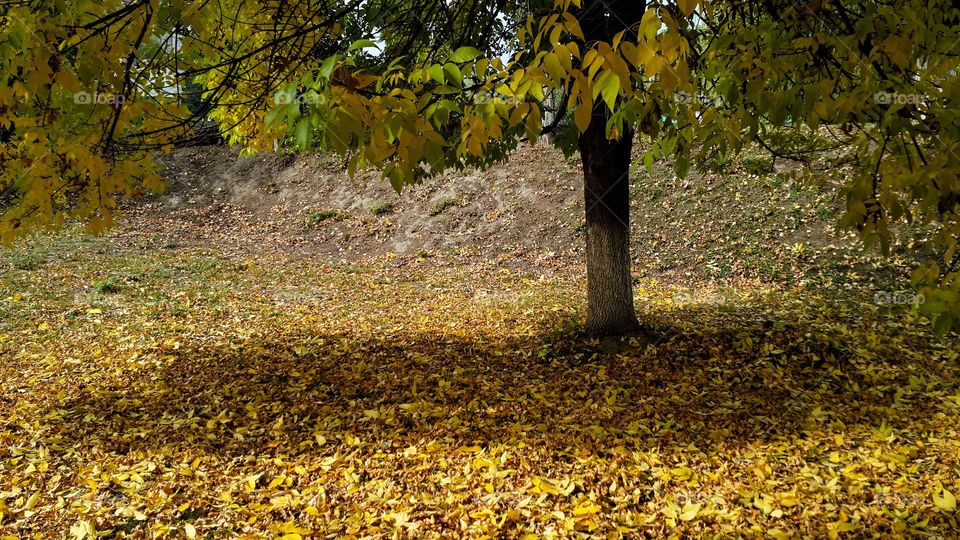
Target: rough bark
[{"x": 606, "y": 171}]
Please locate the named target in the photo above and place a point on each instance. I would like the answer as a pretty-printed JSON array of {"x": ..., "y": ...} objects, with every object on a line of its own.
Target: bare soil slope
[
  {"x": 310, "y": 206},
  {"x": 749, "y": 221}
]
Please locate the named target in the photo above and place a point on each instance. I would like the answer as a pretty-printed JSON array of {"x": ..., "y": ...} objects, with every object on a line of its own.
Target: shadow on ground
[{"x": 279, "y": 394}]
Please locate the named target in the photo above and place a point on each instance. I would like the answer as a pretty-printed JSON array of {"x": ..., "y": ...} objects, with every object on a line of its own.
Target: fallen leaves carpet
[{"x": 197, "y": 396}]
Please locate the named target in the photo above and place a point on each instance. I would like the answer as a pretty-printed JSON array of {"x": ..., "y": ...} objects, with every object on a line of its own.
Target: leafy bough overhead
[
  {"x": 469, "y": 110},
  {"x": 414, "y": 88}
]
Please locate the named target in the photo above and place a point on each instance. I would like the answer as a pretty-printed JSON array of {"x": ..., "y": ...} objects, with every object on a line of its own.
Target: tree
[
  {"x": 415, "y": 87},
  {"x": 414, "y": 120}
]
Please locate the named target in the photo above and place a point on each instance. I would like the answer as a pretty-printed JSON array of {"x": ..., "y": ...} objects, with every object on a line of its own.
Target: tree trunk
[{"x": 606, "y": 175}]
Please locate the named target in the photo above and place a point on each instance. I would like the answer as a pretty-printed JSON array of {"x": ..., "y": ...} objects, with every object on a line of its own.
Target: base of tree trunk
[
  {"x": 625, "y": 344},
  {"x": 614, "y": 328}
]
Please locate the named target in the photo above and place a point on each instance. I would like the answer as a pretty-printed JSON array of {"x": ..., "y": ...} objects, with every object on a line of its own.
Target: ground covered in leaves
[{"x": 153, "y": 391}]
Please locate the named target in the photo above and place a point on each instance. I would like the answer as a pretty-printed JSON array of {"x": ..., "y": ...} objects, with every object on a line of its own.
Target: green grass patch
[
  {"x": 443, "y": 204},
  {"x": 381, "y": 207}
]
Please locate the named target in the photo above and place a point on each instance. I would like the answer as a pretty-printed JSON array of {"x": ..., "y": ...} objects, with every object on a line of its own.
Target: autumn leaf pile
[{"x": 163, "y": 393}]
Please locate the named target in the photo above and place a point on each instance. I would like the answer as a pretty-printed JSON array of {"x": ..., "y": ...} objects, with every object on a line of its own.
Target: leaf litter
[{"x": 222, "y": 397}]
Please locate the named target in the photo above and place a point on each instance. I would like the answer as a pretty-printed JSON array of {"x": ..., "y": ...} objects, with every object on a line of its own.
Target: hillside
[{"x": 745, "y": 222}]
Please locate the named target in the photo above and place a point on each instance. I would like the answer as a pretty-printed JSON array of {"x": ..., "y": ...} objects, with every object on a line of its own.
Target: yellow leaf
[
  {"x": 583, "y": 115},
  {"x": 607, "y": 85},
  {"x": 670, "y": 510},
  {"x": 689, "y": 512},
  {"x": 687, "y": 6},
  {"x": 545, "y": 486},
  {"x": 32, "y": 501},
  {"x": 639, "y": 54},
  {"x": 586, "y": 508},
  {"x": 649, "y": 24},
  {"x": 83, "y": 529},
  {"x": 292, "y": 528},
  {"x": 946, "y": 501},
  {"x": 190, "y": 531},
  {"x": 787, "y": 500}
]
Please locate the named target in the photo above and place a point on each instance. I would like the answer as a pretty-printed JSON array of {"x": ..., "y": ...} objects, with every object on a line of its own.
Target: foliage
[
  {"x": 457, "y": 402},
  {"x": 873, "y": 83}
]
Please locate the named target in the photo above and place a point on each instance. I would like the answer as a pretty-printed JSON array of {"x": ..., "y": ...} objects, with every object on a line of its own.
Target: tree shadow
[{"x": 302, "y": 392}]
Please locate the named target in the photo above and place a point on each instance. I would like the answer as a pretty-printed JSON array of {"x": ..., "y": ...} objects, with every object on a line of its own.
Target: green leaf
[
  {"x": 667, "y": 145},
  {"x": 941, "y": 326},
  {"x": 272, "y": 116},
  {"x": 681, "y": 166},
  {"x": 608, "y": 86},
  {"x": 436, "y": 73},
  {"x": 465, "y": 54},
  {"x": 362, "y": 44},
  {"x": 326, "y": 69},
  {"x": 454, "y": 72},
  {"x": 303, "y": 135}
]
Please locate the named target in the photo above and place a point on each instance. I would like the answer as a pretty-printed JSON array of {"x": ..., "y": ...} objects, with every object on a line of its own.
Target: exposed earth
[{"x": 750, "y": 221}]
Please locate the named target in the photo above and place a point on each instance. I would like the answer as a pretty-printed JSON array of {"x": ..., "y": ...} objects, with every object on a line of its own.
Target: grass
[
  {"x": 106, "y": 286},
  {"x": 320, "y": 216},
  {"x": 445, "y": 203},
  {"x": 25, "y": 261},
  {"x": 268, "y": 397},
  {"x": 757, "y": 164},
  {"x": 649, "y": 192},
  {"x": 381, "y": 207}
]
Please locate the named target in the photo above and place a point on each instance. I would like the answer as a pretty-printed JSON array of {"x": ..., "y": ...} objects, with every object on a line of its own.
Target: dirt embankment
[
  {"x": 748, "y": 221},
  {"x": 309, "y": 206}
]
